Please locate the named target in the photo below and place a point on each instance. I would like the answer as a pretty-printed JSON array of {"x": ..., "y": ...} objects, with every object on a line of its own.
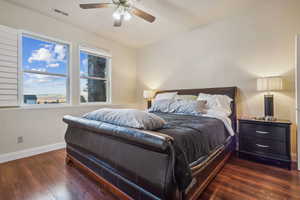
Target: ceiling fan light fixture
[
  {"x": 127, "y": 16},
  {"x": 119, "y": 12},
  {"x": 117, "y": 15}
]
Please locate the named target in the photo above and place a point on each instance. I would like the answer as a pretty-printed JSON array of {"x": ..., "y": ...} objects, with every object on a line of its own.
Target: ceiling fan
[{"x": 124, "y": 10}]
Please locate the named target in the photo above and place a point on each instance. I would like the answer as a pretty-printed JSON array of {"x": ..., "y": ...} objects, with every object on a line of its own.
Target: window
[
  {"x": 94, "y": 76},
  {"x": 45, "y": 66}
]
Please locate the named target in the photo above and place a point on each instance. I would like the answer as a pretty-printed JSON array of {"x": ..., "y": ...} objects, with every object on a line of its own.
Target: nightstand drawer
[
  {"x": 263, "y": 147},
  {"x": 263, "y": 131}
]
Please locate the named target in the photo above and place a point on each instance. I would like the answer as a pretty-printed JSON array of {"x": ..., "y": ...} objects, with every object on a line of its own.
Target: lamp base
[
  {"x": 269, "y": 106},
  {"x": 149, "y": 104}
]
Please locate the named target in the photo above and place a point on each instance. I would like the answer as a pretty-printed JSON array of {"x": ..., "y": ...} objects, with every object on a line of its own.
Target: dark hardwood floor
[{"x": 46, "y": 176}]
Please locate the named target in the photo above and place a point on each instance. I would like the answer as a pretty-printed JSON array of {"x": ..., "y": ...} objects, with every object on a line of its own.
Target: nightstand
[{"x": 265, "y": 141}]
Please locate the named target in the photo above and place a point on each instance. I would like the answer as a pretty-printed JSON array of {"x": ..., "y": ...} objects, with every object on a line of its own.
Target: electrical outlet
[{"x": 20, "y": 139}]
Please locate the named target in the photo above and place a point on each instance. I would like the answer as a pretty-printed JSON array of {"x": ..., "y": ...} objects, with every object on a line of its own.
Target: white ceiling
[{"x": 172, "y": 17}]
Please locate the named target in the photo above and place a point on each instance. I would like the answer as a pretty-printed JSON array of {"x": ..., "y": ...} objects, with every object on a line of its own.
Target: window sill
[{"x": 46, "y": 107}]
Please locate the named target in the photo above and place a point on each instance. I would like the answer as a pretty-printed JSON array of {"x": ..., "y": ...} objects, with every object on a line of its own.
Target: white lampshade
[
  {"x": 149, "y": 94},
  {"x": 269, "y": 84}
]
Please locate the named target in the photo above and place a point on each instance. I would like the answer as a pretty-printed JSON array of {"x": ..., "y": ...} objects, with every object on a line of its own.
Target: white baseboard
[{"x": 30, "y": 152}]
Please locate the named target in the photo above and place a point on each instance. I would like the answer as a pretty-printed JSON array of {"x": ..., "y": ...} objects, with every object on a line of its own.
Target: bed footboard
[
  {"x": 136, "y": 162},
  {"x": 125, "y": 186}
]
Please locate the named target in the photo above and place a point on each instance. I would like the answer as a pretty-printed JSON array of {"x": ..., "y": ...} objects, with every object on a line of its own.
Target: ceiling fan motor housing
[{"x": 124, "y": 3}]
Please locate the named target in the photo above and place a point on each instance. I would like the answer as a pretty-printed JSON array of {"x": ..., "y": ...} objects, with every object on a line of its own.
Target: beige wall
[
  {"x": 231, "y": 52},
  {"x": 44, "y": 126}
]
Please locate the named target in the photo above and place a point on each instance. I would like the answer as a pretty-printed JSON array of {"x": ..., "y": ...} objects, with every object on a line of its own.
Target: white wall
[
  {"x": 44, "y": 126},
  {"x": 231, "y": 52}
]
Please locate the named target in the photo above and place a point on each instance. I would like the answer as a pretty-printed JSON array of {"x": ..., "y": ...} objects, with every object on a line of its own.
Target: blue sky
[
  {"x": 48, "y": 57},
  {"x": 44, "y": 56}
]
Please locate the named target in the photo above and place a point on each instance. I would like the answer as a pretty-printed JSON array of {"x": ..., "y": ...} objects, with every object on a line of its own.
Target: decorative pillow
[
  {"x": 127, "y": 117},
  {"x": 220, "y": 103},
  {"x": 188, "y": 107},
  {"x": 166, "y": 95},
  {"x": 161, "y": 105},
  {"x": 186, "y": 97}
]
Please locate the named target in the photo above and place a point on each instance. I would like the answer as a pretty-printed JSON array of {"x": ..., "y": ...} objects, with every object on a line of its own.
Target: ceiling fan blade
[
  {"x": 95, "y": 5},
  {"x": 118, "y": 22},
  {"x": 143, "y": 14}
]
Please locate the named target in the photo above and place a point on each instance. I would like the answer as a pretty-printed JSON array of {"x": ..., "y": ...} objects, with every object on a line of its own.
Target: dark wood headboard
[{"x": 229, "y": 91}]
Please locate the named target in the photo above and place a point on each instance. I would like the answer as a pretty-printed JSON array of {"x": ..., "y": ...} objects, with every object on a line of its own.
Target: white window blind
[{"x": 8, "y": 67}]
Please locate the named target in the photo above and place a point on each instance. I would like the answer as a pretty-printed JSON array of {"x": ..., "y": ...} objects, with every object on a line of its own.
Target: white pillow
[
  {"x": 166, "y": 95},
  {"x": 219, "y": 103}
]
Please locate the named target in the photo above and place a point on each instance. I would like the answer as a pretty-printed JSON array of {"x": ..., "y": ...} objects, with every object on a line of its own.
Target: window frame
[
  {"x": 100, "y": 53},
  {"x": 21, "y": 71}
]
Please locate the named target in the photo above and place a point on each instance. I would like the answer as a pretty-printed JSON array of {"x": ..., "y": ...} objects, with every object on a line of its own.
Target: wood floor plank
[
  {"x": 254, "y": 180},
  {"x": 47, "y": 177}
]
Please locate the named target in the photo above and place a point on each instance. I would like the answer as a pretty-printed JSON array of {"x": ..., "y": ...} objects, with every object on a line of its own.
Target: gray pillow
[
  {"x": 127, "y": 117},
  {"x": 188, "y": 107},
  {"x": 161, "y": 105}
]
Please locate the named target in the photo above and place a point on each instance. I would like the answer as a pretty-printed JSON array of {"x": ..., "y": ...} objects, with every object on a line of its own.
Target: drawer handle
[
  {"x": 262, "y": 132},
  {"x": 262, "y": 146}
]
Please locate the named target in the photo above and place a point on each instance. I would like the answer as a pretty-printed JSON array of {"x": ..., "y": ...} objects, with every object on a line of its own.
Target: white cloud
[
  {"x": 37, "y": 77},
  {"x": 47, "y": 46},
  {"x": 43, "y": 84},
  {"x": 40, "y": 78},
  {"x": 49, "y": 54},
  {"x": 60, "y": 51},
  {"x": 41, "y": 54},
  {"x": 54, "y": 65},
  {"x": 39, "y": 69},
  {"x": 85, "y": 62}
]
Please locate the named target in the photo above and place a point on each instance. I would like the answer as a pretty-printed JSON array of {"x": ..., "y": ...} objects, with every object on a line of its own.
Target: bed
[{"x": 176, "y": 162}]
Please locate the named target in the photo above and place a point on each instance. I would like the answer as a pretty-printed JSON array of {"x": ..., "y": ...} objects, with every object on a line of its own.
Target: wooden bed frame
[{"x": 203, "y": 173}]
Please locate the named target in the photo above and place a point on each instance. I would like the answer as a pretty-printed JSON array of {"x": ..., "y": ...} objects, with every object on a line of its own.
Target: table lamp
[
  {"x": 149, "y": 94},
  {"x": 269, "y": 84}
]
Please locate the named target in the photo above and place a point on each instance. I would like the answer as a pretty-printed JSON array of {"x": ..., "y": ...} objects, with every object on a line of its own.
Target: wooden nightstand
[{"x": 265, "y": 141}]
